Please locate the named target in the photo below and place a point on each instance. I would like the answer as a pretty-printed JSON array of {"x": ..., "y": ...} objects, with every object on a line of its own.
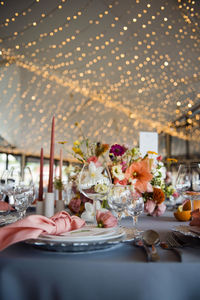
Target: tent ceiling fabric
[{"x": 115, "y": 67}]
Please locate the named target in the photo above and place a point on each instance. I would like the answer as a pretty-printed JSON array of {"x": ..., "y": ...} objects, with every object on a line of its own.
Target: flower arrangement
[
  {"x": 88, "y": 153},
  {"x": 146, "y": 175},
  {"x": 58, "y": 184},
  {"x": 77, "y": 202},
  {"x": 161, "y": 187},
  {"x": 129, "y": 168},
  {"x": 72, "y": 171}
]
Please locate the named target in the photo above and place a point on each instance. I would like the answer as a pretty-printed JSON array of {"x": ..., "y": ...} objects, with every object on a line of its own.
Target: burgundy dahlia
[{"x": 117, "y": 150}]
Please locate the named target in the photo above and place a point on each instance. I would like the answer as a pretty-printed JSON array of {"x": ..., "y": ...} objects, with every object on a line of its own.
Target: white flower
[
  {"x": 163, "y": 172},
  {"x": 132, "y": 187},
  {"x": 156, "y": 173},
  {"x": 89, "y": 214},
  {"x": 137, "y": 153},
  {"x": 117, "y": 172},
  {"x": 101, "y": 188},
  {"x": 93, "y": 176},
  {"x": 71, "y": 171}
]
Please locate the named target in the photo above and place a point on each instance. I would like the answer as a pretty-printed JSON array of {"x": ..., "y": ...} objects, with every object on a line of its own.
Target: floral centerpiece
[
  {"x": 88, "y": 182},
  {"x": 129, "y": 168},
  {"x": 160, "y": 186}
]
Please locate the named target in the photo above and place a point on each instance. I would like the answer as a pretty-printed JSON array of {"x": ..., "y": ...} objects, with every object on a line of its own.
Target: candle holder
[
  {"x": 59, "y": 205},
  {"x": 39, "y": 207},
  {"x": 49, "y": 205}
]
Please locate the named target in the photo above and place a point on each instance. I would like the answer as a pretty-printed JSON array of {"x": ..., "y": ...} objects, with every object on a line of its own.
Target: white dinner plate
[
  {"x": 88, "y": 238},
  {"x": 86, "y": 234}
]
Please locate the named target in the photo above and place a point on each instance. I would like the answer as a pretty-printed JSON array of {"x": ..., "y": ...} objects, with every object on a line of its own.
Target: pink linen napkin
[
  {"x": 32, "y": 226},
  {"x": 4, "y": 206}
]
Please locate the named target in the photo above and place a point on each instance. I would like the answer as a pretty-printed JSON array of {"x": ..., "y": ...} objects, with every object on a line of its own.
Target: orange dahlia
[{"x": 158, "y": 195}]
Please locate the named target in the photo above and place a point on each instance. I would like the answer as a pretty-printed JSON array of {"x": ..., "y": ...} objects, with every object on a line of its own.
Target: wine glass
[
  {"x": 20, "y": 193},
  {"x": 188, "y": 183},
  {"x": 135, "y": 209},
  {"x": 24, "y": 192},
  {"x": 119, "y": 198},
  {"x": 12, "y": 180},
  {"x": 3, "y": 181},
  {"x": 94, "y": 181}
]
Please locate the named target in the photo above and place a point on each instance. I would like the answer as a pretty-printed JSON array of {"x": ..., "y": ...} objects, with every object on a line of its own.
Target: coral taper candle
[
  {"x": 51, "y": 163},
  {"x": 60, "y": 172},
  {"x": 40, "y": 197},
  {"x": 61, "y": 164}
]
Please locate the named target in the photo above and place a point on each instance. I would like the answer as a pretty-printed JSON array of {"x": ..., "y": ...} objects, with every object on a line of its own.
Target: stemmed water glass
[
  {"x": 24, "y": 192},
  {"x": 94, "y": 181},
  {"x": 135, "y": 209},
  {"x": 188, "y": 182},
  {"x": 119, "y": 198}
]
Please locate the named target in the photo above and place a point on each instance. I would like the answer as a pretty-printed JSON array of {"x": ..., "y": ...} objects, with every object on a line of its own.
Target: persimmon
[
  {"x": 187, "y": 205},
  {"x": 184, "y": 215}
]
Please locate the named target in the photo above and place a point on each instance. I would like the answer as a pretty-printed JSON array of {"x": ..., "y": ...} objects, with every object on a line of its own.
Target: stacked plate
[{"x": 87, "y": 238}]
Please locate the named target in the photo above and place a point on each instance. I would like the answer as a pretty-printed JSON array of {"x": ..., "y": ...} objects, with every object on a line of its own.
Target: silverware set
[{"x": 174, "y": 241}]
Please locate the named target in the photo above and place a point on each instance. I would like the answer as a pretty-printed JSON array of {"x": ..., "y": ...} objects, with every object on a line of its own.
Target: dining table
[{"x": 118, "y": 272}]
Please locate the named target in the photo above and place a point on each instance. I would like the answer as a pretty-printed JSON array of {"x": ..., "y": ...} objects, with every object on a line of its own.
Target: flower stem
[{"x": 135, "y": 220}]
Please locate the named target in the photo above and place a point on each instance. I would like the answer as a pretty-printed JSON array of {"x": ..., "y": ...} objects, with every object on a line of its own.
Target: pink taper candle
[
  {"x": 60, "y": 172},
  {"x": 51, "y": 163},
  {"x": 40, "y": 197}
]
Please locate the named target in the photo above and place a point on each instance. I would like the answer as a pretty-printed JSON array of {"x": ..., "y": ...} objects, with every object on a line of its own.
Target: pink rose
[
  {"x": 159, "y": 211},
  {"x": 105, "y": 219},
  {"x": 149, "y": 206},
  {"x": 4, "y": 206},
  {"x": 94, "y": 159}
]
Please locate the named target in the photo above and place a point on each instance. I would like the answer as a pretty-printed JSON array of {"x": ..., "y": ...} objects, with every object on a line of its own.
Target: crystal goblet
[
  {"x": 119, "y": 198},
  {"x": 188, "y": 183},
  {"x": 94, "y": 181}
]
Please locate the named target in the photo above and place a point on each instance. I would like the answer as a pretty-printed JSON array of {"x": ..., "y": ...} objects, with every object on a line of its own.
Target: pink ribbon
[{"x": 33, "y": 226}]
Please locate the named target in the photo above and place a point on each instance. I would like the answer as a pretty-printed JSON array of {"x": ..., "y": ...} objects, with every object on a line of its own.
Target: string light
[{"x": 105, "y": 66}]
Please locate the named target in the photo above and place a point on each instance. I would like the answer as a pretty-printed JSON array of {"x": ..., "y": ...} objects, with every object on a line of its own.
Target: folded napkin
[
  {"x": 32, "y": 226},
  {"x": 4, "y": 206},
  {"x": 195, "y": 217}
]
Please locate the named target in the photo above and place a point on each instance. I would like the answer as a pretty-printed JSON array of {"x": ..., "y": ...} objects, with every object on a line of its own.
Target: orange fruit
[
  {"x": 196, "y": 204},
  {"x": 184, "y": 215},
  {"x": 187, "y": 205}
]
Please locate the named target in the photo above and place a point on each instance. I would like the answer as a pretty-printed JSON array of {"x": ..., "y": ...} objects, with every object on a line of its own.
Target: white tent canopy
[{"x": 115, "y": 67}]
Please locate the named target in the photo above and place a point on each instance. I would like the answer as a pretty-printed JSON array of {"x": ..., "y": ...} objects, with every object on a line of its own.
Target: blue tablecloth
[{"x": 120, "y": 272}]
